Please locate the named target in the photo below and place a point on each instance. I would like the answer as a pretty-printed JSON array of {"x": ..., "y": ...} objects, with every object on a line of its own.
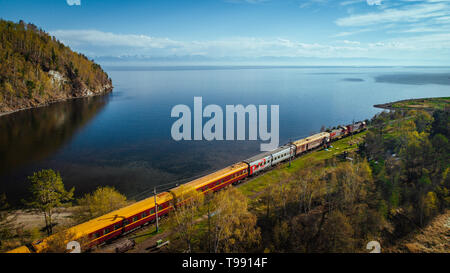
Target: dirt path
[{"x": 31, "y": 219}]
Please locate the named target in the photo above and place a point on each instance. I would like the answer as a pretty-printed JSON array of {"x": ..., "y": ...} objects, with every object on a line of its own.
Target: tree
[
  {"x": 441, "y": 123},
  {"x": 183, "y": 221},
  {"x": 233, "y": 227},
  {"x": 423, "y": 121},
  {"x": 337, "y": 236},
  {"x": 48, "y": 193},
  {"x": 6, "y": 220},
  {"x": 430, "y": 204},
  {"x": 100, "y": 202},
  {"x": 57, "y": 243}
]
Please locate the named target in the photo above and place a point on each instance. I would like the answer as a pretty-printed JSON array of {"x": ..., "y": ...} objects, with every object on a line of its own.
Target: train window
[
  {"x": 96, "y": 235},
  {"x": 152, "y": 211},
  {"x": 125, "y": 222},
  {"x": 117, "y": 226},
  {"x": 160, "y": 208},
  {"x": 135, "y": 218},
  {"x": 106, "y": 231},
  {"x": 221, "y": 180},
  {"x": 144, "y": 214}
]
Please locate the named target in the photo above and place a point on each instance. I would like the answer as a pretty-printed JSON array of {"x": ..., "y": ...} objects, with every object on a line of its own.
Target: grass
[
  {"x": 429, "y": 103},
  {"x": 147, "y": 233},
  {"x": 259, "y": 183}
]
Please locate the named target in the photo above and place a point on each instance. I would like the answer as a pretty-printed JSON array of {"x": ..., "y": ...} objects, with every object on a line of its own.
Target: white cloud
[
  {"x": 412, "y": 13},
  {"x": 351, "y": 42},
  {"x": 94, "y": 43},
  {"x": 98, "y": 43},
  {"x": 108, "y": 39},
  {"x": 349, "y": 33},
  {"x": 74, "y": 2},
  {"x": 374, "y": 2}
]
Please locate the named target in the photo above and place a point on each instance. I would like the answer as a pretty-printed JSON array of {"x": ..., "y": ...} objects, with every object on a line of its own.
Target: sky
[{"x": 304, "y": 32}]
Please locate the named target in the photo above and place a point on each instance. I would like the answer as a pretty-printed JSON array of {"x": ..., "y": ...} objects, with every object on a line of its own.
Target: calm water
[{"x": 123, "y": 139}]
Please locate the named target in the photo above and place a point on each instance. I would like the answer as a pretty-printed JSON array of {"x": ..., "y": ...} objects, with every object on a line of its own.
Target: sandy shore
[{"x": 33, "y": 219}]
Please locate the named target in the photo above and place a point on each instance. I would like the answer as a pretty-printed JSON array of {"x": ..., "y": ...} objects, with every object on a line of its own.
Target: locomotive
[{"x": 129, "y": 218}]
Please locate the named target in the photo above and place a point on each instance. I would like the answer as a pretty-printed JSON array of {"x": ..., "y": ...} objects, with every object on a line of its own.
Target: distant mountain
[
  {"x": 142, "y": 60},
  {"x": 36, "y": 69}
]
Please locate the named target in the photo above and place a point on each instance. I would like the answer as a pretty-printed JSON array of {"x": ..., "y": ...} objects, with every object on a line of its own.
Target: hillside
[
  {"x": 36, "y": 69},
  {"x": 434, "y": 238}
]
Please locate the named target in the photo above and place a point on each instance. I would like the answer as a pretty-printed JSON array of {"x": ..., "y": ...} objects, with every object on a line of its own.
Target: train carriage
[
  {"x": 301, "y": 146},
  {"x": 311, "y": 142},
  {"x": 259, "y": 162},
  {"x": 359, "y": 126},
  {"x": 113, "y": 224},
  {"x": 211, "y": 182},
  {"x": 337, "y": 133},
  {"x": 283, "y": 153}
]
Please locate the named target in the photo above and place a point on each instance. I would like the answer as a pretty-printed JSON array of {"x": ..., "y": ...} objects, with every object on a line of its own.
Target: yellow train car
[
  {"x": 110, "y": 225},
  {"x": 311, "y": 142},
  {"x": 211, "y": 182},
  {"x": 21, "y": 249}
]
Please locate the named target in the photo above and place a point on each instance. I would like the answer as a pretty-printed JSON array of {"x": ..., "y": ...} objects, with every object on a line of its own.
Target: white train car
[
  {"x": 337, "y": 133},
  {"x": 359, "y": 126},
  {"x": 282, "y": 153},
  {"x": 259, "y": 162}
]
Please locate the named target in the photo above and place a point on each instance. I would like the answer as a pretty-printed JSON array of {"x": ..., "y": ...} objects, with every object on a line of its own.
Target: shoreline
[
  {"x": 420, "y": 104},
  {"x": 107, "y": 90}
]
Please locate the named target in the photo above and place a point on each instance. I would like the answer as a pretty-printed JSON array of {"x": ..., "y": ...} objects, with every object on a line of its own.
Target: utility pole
[
  {"x": 290, "y": 150},
  {"x": 353, "y": 129},
  {"x": 156, "y": 211}
]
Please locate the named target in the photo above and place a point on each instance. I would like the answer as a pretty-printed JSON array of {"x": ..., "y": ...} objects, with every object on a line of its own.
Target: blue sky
[{"x": 391, "y": 32}]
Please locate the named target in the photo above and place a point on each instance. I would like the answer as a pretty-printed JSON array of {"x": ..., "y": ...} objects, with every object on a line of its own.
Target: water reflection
[{"x": 35, "y": 134}]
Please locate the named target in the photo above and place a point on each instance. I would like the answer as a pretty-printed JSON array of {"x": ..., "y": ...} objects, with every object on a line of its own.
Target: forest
[{"x": 36, "y": 69}]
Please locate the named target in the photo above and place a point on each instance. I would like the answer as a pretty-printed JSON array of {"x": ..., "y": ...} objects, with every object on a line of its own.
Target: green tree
[
  {"x": 101, "y": 201},
  {"x": 423, "y": 121},
  {"x": 48, "y": 193}
]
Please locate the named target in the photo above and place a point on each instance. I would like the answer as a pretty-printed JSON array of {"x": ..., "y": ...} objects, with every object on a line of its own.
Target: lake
[{"x": 123, "y": 139}]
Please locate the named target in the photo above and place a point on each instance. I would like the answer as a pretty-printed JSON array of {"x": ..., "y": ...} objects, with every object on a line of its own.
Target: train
[{"x": 125, "y": 220}]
